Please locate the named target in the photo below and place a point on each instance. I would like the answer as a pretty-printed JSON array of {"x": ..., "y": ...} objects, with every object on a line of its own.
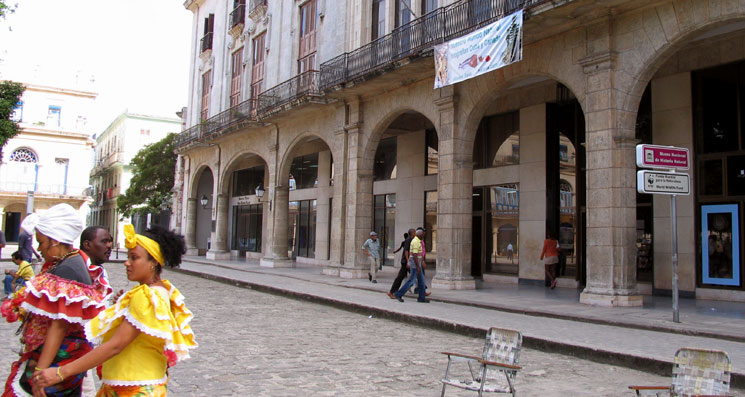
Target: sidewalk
[{"x": 550, "y": 320}]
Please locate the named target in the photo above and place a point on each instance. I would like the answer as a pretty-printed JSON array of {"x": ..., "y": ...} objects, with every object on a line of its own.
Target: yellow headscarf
[{"x": 131, "y": 240}]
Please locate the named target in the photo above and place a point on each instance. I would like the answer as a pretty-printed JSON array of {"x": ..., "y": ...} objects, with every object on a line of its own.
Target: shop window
[
  {"x": 720, "y": 249},
  {"x": 430, "y": 224},
  {"x": 247, "y": 226},
  {"x": 304, "y": 172},
  {"x": 496, "y": 211},
  {"x": 384, "y": 223},
  {"x": 385, "y": 160},
  {"x": 302, "y": 229},
  {"x": 497, "y": 141},
  {"x": 432, "y": 152},
  {"x": 246, "y": 180}
]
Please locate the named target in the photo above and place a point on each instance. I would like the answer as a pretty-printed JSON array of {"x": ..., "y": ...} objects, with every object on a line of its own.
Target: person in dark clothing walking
[
  {"x": 25, "y": 244},
  {"x": 404, "y": 260}
]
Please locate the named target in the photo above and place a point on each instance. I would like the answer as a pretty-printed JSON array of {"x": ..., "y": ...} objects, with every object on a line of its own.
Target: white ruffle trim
[
  {"x": 54, "y": 316},
  {"x": 113, "y": 382},
  {"x": 17, "y": 389},
  {"x": 87, "y": 301}
]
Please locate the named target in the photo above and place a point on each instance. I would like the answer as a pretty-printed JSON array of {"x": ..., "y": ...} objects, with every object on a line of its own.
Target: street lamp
[{"x": 204, "y": 201}]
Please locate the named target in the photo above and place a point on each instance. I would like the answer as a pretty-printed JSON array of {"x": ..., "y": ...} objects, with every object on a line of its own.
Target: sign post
[{"x": 653, "y": 182}]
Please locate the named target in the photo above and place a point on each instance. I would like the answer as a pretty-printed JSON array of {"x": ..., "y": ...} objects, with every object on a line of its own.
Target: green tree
[
  {"x": 10, "y": 94},
  {"x": 152, "y": 178},
  {"x": 6, "y": 9}
]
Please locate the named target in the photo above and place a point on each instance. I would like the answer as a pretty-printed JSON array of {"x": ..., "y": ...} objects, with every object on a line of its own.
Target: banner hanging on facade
[{"x": 489, "y": 48}]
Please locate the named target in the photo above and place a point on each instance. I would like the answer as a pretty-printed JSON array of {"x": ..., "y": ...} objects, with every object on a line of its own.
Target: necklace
[{"x": 60, "y": 260}]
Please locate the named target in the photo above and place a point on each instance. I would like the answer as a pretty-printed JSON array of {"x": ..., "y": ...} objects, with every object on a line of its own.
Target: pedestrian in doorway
[
  {"x": 551, "y": 254},
  {"x": 404, "y": 260},
  {"x": 25, "y": 243},
  {"x": 510, "y": 252},
  {"x": 371, "y": 247},
  {"x": 416, "y": 265}
]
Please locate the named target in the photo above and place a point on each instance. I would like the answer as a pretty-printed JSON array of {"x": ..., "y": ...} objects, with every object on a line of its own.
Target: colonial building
[
  {"x": 111, "y": 173},
  {"x": 311, "y": 123},
  {"x": 51, "y": 157}
]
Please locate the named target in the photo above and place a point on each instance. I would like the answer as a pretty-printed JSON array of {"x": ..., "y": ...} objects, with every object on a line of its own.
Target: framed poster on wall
[{"x": 720, "y": 244}]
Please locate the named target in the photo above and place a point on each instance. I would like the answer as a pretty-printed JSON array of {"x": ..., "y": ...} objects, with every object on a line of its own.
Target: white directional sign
[{"x": 655, "y": 182}]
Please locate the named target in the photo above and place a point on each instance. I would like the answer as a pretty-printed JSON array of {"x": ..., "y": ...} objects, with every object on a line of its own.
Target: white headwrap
[
  {"x": 61, "y": 223},
  {"x": 29, "y": 223}
]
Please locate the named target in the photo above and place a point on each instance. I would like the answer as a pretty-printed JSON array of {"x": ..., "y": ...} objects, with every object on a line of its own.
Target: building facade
[
  {"x": 310, "y": 124},
  {"x": 51, "y": 156},
  {"x": 111, "y": 172}
]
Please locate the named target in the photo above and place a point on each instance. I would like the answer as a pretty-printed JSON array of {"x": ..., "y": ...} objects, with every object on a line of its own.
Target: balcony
[
  {"x": 107, "y": 161},
  {"x": 51, "y": 189},
  {"x": 206, "y": 42},
  {"x": 298, "y": 88},
  {"x": 238, "y": 16},
  {"x": 257, "y": 9},
  {"x": 417, "y": 38}
]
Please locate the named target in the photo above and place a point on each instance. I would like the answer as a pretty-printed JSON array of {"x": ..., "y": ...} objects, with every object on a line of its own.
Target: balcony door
[
  {"x": 257, "y": 67},
  {"x": 235, "y": 78},
  {"x": 307, "y": 53}
]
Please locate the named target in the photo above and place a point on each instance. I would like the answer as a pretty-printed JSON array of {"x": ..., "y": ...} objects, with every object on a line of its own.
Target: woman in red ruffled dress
[{"x": 54, "y": 305}]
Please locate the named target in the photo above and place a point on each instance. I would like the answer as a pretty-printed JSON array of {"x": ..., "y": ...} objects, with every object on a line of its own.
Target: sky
[{"x": 135, "y": 52}]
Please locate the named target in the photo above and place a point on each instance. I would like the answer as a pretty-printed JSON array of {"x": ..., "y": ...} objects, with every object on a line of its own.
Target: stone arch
[
  {"x": 194, "y": 182},
  {"x": 283, "y": 173},
  {"x": 230, "y": 166},
  {"x": 472, "y": 116},
  {"x": 658, "y": 53},
  {"x": 370, "y": 145}
]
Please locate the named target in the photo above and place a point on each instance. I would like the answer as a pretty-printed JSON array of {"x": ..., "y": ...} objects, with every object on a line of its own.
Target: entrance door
[
  {"x": 12, "y": 225},
  {"x": 476, "y": 244}
]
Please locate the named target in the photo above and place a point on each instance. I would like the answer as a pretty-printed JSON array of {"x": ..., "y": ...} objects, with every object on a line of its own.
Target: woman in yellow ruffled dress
[{"x": 145, "y": 332}]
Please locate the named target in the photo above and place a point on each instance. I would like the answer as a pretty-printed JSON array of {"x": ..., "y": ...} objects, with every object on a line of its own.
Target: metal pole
[{"x": 674, "y": 223}]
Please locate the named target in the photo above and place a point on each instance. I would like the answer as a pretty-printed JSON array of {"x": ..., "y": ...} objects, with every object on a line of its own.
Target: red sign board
[{"x": 668, "y": 157}]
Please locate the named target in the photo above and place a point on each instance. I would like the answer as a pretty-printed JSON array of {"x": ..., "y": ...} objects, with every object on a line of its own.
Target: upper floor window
[
  {"x": 378, "y": 19},
  {"x": 209, "y": 27},
  {"x": 235, "y": 78},
  {"x": 205, "y": 113},
  {"x": 307, "y": 53},
  {"x": 54, "y": 115},
  {"x": 24, "y": 155},
  {"x": 428, "y": 6},
  {"x": 238, "y": 15},
  {"x": 17, "y": 112},
  {"x": 257, "y": 65},
  {"x": 403, "y": 12}
]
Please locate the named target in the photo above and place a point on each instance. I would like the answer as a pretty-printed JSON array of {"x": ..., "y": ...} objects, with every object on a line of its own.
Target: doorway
[{"x": 12, "y": 226}]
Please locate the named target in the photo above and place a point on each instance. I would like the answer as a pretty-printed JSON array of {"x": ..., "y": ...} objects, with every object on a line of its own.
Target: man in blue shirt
[{"x": 372, "y": 248}]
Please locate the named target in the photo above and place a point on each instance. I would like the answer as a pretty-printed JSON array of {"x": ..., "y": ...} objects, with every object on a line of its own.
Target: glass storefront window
[
  {"x": 246, "y": 180},
  {"x": 384, "y": 223},
  {"x": 497, "y": 141},
  {"x": 430, "y": 223},
  {"x": 302, "y": 229},
  {"x": 721, "y": 244},
  {"x": 247, "y": 225},
  {"x": 495, "y": 229},
  {"x": 304, "y": 172}
]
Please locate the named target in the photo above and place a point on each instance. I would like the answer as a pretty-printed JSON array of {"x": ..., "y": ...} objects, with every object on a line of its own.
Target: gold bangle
[
  {"x": 61, "y": 378},
  {"x": 38, "y": 369}
]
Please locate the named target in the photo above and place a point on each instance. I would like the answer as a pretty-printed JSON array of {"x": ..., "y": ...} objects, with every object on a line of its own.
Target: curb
[{"x": 647, "y": 364}]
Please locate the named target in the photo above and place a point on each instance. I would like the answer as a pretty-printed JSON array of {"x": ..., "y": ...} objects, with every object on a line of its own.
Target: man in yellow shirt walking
[
  {"x": 416, "y": 264},
  {"x": 19, "y": 277}
]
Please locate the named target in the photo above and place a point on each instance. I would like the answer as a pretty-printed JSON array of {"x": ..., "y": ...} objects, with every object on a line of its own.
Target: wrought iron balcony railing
[
  {"x": 238, "y": 15},
  {"x": 206, "y": 42},
  {"x": 255, "y": 4},
  {"x": 418, "y": 36},
  {"x": 304, "y": 84}
]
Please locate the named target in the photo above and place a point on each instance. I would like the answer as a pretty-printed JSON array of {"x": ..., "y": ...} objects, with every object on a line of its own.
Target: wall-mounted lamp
[
  {"x": 259, "y": 192},
  {"x": 204, "y": 201}
]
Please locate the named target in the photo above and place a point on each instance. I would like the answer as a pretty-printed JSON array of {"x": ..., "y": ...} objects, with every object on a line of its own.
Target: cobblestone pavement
[{"x": 257, "y": 344}]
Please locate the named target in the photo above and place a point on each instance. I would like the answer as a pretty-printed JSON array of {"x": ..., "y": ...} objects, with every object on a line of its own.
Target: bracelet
[
  {"x": 61, "y": 378},
  {"x": 38, "y": 369}
]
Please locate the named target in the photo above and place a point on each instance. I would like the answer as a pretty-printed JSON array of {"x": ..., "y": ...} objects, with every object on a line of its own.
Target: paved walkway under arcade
[{"x": 551, "y": 320}]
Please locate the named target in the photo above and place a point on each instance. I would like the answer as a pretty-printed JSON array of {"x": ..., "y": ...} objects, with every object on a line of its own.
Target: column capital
[{"x": 598, "y": 62}]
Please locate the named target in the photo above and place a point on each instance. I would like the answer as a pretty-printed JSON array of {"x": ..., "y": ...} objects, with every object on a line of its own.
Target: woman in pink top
[{"x": 551, "y": 254}]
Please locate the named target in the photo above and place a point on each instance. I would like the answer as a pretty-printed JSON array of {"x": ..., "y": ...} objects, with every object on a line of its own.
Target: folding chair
[{"x": 696, "y": 373}]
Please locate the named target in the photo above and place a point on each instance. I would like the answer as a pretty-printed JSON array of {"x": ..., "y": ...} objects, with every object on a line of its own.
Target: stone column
[
  {"x": 219, "y": 248},
  {"x": 611, "y": 187},
  {"x": 454, "y": 200},
  {"x": 277, "y": 255},
  {"x": 191, "y": 227}
]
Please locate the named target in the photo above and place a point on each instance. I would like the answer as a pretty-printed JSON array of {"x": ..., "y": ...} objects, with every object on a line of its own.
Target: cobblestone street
[{"x": 257, "y": 344}]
